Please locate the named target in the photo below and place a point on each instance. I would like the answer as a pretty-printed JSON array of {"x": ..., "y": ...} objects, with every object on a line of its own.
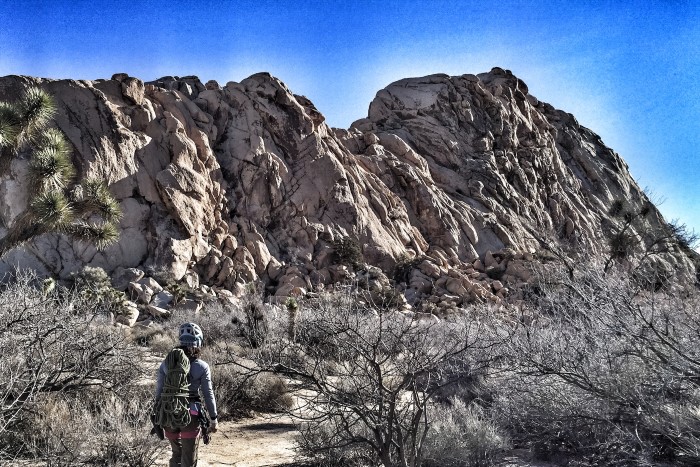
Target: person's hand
[{"x": 213, "y": 426}]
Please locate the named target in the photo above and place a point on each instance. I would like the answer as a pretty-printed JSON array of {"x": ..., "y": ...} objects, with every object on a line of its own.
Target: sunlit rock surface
[{"x": 458, "y": 179}]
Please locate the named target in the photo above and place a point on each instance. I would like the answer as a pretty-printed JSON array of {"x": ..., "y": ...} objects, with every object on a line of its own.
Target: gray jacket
[{"x": 200, "y": 382}]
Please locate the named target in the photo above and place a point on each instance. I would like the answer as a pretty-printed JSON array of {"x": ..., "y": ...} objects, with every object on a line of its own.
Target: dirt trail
[
  {"x": 254, "y": 442},
  {"x": 268, "y": 441}
]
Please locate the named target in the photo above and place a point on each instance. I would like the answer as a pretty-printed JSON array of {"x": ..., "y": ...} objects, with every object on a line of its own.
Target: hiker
[{"x": 181, "y": 378}]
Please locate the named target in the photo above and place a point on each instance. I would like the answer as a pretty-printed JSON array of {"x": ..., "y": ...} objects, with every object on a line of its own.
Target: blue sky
[{"x": 629, "y": 70}]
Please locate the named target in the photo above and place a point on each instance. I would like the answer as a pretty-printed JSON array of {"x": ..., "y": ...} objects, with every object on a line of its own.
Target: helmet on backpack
[{"x": 191, "y": 335}]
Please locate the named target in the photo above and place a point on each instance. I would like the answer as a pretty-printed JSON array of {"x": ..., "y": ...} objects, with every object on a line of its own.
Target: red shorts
[{"x": 191, "y": 431}]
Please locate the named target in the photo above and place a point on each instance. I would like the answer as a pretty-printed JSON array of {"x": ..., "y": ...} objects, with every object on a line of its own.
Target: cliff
[{"x": 460, "y": 180}]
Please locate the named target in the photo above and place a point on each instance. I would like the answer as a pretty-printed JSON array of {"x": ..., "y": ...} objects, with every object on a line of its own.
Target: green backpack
[{"x": 173, "y": 409}]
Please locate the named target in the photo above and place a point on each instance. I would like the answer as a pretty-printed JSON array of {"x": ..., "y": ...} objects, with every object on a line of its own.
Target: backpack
[{"x": 172, "y": 409}]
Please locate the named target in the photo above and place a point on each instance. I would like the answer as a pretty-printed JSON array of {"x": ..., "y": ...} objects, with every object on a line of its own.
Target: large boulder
[{"x": 222, "y": 186}]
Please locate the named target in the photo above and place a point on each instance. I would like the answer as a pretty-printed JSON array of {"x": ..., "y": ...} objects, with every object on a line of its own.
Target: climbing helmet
[{"x": 191, "y": 335}]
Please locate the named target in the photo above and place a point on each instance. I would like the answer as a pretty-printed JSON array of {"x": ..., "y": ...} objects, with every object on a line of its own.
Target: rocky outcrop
[{"x": 455, "y": 182}]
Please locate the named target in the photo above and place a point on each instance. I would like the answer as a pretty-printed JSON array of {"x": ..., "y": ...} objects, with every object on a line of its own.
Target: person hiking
[{"x": 178, "y": 410}]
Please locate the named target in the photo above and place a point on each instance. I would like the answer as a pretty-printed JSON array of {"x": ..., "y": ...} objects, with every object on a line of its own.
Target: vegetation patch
[{"x": 347, "y": 251}]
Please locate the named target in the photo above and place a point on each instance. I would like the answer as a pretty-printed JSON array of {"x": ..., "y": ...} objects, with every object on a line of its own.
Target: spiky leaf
[
  {"x": 99, "y": 234},
  {"x": 53, "y": 210},
  {"x": 54, "y": 139},
  {"x": 93, "y": 188},
  {"x": 50, "y": 169},
  {"x": 36, "y": 108},
  {"x": 110, "y": 210},
  {"x": 93, "y": 197},
  {"x": 9, "y": 124}
]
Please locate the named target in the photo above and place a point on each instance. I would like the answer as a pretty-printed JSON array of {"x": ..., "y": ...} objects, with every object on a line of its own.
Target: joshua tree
[{"x": 83, "y": 209}]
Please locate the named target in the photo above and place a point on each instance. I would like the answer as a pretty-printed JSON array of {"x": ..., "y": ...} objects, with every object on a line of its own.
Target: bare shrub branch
[{"x": 366, "y": 380}]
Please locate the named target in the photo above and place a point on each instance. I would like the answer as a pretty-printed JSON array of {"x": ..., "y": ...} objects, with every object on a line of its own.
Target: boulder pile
[{"x": 442, "y": 196}]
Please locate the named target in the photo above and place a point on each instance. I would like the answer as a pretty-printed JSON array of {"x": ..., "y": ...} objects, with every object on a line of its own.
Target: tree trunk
[{"x": 19, "y": 233}]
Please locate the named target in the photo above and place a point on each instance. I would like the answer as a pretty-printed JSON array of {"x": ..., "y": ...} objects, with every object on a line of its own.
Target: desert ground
[
  {"x": 263, "y": 440},
  {"x": 267, "y": 440}
]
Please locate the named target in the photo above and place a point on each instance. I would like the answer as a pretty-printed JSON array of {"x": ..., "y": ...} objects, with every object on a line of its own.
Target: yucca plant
[
  {"x": 9, "y": 125},
  {"x": 83, "y": 209}
]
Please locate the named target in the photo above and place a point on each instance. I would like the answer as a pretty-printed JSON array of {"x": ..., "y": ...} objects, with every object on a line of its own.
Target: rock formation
[{"x": 454, "y": 182}]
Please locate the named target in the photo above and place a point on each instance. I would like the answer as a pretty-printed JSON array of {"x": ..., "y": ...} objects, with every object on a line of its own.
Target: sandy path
[{"x": 253, "y": 442}]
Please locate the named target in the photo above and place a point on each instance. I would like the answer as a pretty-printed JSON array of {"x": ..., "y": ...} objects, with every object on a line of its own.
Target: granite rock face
[
  {"x": 482, "y": 165},
  {"x": 458, "y": 180}
]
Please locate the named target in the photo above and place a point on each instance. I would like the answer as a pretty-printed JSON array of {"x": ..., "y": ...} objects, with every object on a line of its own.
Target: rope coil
[{"x": 173, "y": 408}]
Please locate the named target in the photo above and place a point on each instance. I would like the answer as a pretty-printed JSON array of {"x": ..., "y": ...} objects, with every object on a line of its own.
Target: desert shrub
[
  {"x": 248, "y": 319},
  {"x": 218, "y": 323},
  {"x": 686, "y": 238},
  {"x": 368, "y": 378},
  {"x": 158, "y": 337},
  {"x": 325, "y": 443},
  {"x": 94, "y": 284},
  {"x": 607, "y": 374},
  {"x": 654, "y": 275},
  {"x": 347, "y": 251},
  {"x": 617, "y": 208},
  {"x": 180, "y": 291},
  {"x": 128, "y": 415},
  {"x": 63, "y": 360},
  {"x": 387, "y": 298},
  {"x": 403, "y": 267},
  {"x": 238, "y": 392},
  {"x": 217, "y": 320},
  {"x": 560, "y": 423},
  {"x": 95, "y": 427},
  {"x": 255, "y": 327},
  {"x": 461, "y": 434},
  {"x": 292, "y": 307},
  {"x": 622, "y": 244},
  {"x": 634, "y": 242}
]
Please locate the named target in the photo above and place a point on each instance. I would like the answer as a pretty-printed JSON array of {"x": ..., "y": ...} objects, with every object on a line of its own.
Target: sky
[{"x": 628, "y": 70}]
